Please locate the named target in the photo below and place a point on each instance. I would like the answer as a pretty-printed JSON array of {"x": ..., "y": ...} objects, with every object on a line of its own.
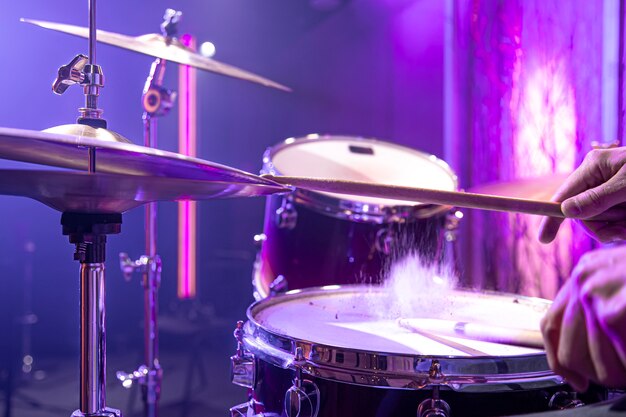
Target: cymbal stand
[
  {"x": 88, "y": 232},
  {"x": 157, "y": 101}
]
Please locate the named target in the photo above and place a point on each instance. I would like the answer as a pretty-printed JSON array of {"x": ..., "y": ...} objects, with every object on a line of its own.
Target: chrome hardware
[
  {"x": 150, "y": 374},
  {"x": 279, "y": 285},
  {"x": 260, "y": 238},
  {"x": 286, "y": 215},
  {"x": 451, "y": 227},
  {"x": 435, "y": 376},
  {"x": 169, "y": 27},
  {"x": 248, "y": 410},
  {"x": 90, "y": 76},
  {"x": 302, "y": 399},
  {"x": 144, "y": 265},
  {"x": 128, "y": 379},
  {"x": 70, "y": 74},
  {"x": 433, "y": 408},
  {"x": 145, "y": 377},
  {"x": 243, "y": 368},
  {"x": 93, "y": 82},
  {"x": 563, "y": 400},
  {"x": 106, "y": 412},
  {"x": 385, "y": 240},
  {"x": 157, "y": 100}
]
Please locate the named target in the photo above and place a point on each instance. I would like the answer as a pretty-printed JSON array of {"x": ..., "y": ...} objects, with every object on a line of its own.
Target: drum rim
[
  {"x": 355, "y": 210},
  {"x": 393, "y": 370}
]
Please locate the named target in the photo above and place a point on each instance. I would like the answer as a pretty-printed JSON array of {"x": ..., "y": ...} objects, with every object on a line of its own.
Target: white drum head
[
  {"x": 358, "y": 159},
  {"x": 359, "y": 318}
]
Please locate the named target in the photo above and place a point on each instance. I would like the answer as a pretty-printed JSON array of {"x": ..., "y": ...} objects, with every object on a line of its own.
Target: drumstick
[
  {"x": 449, "y": 343},
  {"x": 424, "y": 195},
  {"x": 475, "y": 331}
]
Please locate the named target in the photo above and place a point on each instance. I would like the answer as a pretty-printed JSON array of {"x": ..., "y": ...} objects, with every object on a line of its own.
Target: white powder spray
[{"x": 415, "y": 289}]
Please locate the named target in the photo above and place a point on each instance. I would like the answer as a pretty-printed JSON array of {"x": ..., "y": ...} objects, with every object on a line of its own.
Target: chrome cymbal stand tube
[
  {"x": 88, "y": 232},
  {"x": 157, "y": 101}
]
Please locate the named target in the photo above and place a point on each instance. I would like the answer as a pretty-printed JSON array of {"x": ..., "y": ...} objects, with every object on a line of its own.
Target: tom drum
[{"x": 313, "y": 238}]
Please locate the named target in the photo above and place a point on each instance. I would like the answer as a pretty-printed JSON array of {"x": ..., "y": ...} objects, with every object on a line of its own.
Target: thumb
[{"x": 595, "y": 200}]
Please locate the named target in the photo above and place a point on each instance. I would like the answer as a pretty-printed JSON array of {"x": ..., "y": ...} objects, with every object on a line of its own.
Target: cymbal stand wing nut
[
  {"x": 90, "y": 76},
  {"x": 70, "y": 74}
]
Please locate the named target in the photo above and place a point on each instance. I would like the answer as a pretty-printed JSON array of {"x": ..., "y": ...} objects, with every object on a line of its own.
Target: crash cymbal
[
  {"x": 159, "y": 46},
  {"x": 114, "y": 156},
  {"x": 539, "y": 188},
  {"x": 74, "y": 191}
]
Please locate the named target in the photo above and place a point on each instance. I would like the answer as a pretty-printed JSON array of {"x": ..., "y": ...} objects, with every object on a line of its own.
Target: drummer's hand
[
  {"x": 585, "y": 329},
  {"x": 598, "y": 184}
]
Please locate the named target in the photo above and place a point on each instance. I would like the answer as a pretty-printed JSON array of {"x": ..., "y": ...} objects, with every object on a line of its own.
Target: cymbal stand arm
[{"x": 157, "y": 102}]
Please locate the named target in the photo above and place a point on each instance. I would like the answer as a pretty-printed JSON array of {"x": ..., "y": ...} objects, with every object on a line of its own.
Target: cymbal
[
  {"x": 75, "y": 191},
  {"x": 538, "y": 188},
  {"x": 159, "y": 46},
  {"x": 112, "y": 156}
]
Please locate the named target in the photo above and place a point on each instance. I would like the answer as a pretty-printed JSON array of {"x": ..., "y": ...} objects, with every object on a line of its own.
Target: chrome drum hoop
[
  {"x": 390, "y": 370},
  {"x": 352, "y": 210}
]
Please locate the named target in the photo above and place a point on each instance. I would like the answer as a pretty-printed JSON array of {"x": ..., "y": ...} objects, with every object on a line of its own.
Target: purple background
[{"x": 369, "y": 67}]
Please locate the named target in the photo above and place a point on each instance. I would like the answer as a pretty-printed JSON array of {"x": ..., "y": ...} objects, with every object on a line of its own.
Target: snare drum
[
  {"x": 315, "y": 238},
  {"x": 337, "y": 352}
]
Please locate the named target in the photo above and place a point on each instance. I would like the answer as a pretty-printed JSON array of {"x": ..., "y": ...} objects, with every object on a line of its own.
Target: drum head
[
  {"x": 366, "y": 318},
  {"x": 359, "y": 159},
  {"x": 351, "y": 333}
]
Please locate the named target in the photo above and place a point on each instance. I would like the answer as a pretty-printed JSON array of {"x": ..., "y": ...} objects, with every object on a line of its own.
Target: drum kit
[{"x": 340, "y": 210}]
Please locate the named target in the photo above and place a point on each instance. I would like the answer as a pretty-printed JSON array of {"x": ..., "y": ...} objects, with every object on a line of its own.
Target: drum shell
[
  {"x": 321, "y": 249},
  {"x": 308, "y": 338},
  {"x": 339, "y": 399}
]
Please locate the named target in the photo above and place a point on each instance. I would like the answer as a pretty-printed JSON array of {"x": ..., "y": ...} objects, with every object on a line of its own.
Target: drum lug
[
  {"x": 302, "y": 398},
  {"x": 435, "y": 376},
  {"x": 435, "y": 406},
  {"x": 247, "y": 410},
  {"x": 563, "y": 400},
  {"x": 243, "y": 368},
  {"x": 453, "y": 219},
  {"x": 432, "y": 407},
  {"x": 279, "y": 285},
  {"x": 286, "y": 215}
]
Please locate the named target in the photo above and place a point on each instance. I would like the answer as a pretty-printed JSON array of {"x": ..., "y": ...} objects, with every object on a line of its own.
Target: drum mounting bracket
[{"x": 243, "y": 368}]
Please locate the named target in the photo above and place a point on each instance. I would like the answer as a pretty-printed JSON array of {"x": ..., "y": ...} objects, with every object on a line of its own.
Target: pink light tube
[{"x": 187, "y": 220}]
